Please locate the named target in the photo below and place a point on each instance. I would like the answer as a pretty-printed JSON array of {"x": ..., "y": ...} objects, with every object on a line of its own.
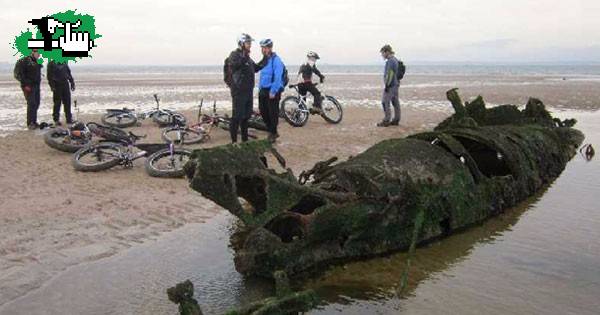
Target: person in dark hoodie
[
  {"x": 239, "y": 77},
  {"x": 306, "y": 84},
  {"x": 29, "y": 73},
  {"x": 61, "y": 83}
]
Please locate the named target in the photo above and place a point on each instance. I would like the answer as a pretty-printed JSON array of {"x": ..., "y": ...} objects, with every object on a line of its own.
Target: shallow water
[{"x": 540, "y": 258}]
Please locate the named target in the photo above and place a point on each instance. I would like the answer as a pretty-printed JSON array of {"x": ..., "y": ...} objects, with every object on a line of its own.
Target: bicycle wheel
[
  {"x": 292, "y": 112},
  {"x": 331, "y": 110},
  {"x": 59, "y": 139},
  {"x": 168, "y": 118},
  {"x": 166, "y": 165},
  {"x": 97, "y": 157},
  {"x": 183, "y": 135},
  {"x": 119, "y": 119}
]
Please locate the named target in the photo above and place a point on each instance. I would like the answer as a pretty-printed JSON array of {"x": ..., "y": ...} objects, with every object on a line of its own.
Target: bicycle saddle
[{"x": 136, "y": 137}]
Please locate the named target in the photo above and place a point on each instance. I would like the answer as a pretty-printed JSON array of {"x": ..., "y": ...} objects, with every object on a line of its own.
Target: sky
[{"x": 203, "y": 32}]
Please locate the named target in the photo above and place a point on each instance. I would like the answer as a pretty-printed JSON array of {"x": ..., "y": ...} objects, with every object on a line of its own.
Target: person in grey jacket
[{"x": 391, "y": 86}]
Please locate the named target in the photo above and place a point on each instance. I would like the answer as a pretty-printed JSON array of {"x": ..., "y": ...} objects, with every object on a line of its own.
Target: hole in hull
[
  {"x": 287, "y": 228},
  {"x": 252, "y": 190},
  {"x": 489, "y": 161},
  {"x": 308, "y": 204}
]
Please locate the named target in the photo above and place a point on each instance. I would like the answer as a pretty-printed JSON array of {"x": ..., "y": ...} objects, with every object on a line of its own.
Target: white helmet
[
  {"x": 244, "y": 38},
  {"x": 312, "y": 54}
]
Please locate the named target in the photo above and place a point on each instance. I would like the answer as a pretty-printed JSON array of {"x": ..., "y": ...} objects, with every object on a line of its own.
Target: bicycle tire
[
  {"x": 155, "y": 172},
  {"x": 290, "y": 120},
  {"x": 83, "y": 167},
  {"x": 338, "y": 107},
  {"x": 186, "y": 141},
  {"x": 52, "y": 137},
  {"x": 108, "y": 115}
]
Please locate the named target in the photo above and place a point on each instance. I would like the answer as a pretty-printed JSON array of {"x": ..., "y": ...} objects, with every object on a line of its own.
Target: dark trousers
[
  {"x": 33, "y": 103},
  {"x": 238, "y": 124},
  {"x": 62, "y": 94},
  {"x": 240, "y": 113},
  {"x": 310, "y": 87},
  {"x": 269, "y": 110}
]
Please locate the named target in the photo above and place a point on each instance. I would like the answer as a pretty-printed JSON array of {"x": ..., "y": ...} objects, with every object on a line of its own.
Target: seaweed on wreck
[{"x": 474, "y": 165}]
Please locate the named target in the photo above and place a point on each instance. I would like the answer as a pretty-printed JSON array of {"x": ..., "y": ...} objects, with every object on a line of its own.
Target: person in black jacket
[
  {"x": 241, "y": 83},
  {"x": 61, "y": 82},
  {"x": 29, "y": 73},
  {"x": 306, "y": 84}
]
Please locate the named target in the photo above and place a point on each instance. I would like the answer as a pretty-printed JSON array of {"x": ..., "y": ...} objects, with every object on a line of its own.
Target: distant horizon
[{"x": 414, "y": 63}]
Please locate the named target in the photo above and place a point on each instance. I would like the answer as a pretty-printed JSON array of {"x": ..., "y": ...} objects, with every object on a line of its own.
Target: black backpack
[
  {"x": 401, "y": 70},
  {"x": 17, "y": 70},
  {"x": 285, "y": 78},
  {"x": 227, "y": 73}
]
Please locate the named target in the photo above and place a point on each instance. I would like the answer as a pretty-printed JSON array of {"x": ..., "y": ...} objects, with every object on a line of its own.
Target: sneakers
[
  {"x": 395, "y": 123},
  {"x": 272, "y": 137},
  {"x": 383, "y": 123},
  {"x": 33, "y": 126}
]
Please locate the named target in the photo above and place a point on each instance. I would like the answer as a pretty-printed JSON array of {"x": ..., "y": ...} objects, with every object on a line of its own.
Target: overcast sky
[{"x": 341, "y": 31}]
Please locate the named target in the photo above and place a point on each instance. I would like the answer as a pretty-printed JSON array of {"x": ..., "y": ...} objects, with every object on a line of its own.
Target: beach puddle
[{"x": 542, "y": 257}]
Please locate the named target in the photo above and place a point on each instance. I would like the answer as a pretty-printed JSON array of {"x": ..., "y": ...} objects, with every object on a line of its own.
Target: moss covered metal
[{"x": 474, "y": 165}]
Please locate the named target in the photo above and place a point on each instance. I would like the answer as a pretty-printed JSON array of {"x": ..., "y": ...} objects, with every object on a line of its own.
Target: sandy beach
[{"x": 53, "y": 217}]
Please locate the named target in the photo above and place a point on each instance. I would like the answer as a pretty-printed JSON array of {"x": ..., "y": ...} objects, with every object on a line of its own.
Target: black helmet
[
  {"x": 386, "y": 48},
  {"x": 267, "y": 42},
  {"x": 312, "y": 54},
  {"x": 244, "y": 38}
]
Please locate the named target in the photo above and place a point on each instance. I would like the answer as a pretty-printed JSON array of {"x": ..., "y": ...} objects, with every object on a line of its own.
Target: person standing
[
  {"x": 29, "y": 73},
  {"x": 239, "y": 77},
  {"x": 61, "y": 83},
  {"x": 306, "y": 84},
  {"x": 391, "y": 87},
  {"x": 270, "y": 86}
]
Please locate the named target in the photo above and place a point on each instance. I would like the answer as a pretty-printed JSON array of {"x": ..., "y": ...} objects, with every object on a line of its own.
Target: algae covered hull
[{"x": 474, "y": 165}]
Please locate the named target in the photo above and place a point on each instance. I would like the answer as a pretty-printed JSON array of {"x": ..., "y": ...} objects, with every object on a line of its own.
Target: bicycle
[
  {"x": 125, "y": 117},
  {"x": 200, "y": 132},
  {"x": 118, "y": 149},
  {"x": 296, "y": 109},
  {"x": 72, "y": 138}
]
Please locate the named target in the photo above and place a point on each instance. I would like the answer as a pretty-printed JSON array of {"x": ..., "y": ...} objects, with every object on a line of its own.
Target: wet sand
[{"x": 53, "y": 217}]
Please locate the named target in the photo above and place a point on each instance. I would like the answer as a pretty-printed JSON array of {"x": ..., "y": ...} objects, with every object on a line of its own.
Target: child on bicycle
[{"x": 305, "y": 83}]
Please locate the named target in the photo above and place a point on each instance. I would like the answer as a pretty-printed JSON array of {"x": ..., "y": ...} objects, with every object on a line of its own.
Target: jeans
[
  {"x": 33, "y": 102},
  {"x": 391, "y": 96}
]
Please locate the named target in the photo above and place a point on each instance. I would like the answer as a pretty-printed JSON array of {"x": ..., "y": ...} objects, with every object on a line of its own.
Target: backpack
[
  {"x": 285, "y": 78},
  {"x": 227, "y": 73},
  {"x": 17, "y": 70},
  {"x": 401, "y": 70}
]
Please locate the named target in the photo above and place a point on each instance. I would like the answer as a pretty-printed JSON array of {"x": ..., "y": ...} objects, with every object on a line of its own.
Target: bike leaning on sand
[
  {"x": 297, "y": 108},
  {"x": 200, "y": 132},
  {"x": 119, "y": 148},
  {"x": 125, "y": 117}
]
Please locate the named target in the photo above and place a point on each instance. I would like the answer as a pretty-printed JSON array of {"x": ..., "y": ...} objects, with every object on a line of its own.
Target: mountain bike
[
  {"x": 200, "y": 132},
  {"x": 297, "y": 108},
  {"x": 125, "y": 117},
  {"x": 71, "y": 138},
  {"x": 120, "y": 148}
]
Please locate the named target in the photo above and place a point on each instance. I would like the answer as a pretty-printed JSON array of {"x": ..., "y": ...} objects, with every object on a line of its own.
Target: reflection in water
[{"x": 379, "y": 278}]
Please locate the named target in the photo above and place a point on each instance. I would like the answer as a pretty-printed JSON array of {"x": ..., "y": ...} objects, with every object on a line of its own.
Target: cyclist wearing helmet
[
  {"x": 305, "y": 75},
  {"x": 270, "y": 85},
  {"x": 240, "y": 70},
  {"x": 391, "y": 85}
]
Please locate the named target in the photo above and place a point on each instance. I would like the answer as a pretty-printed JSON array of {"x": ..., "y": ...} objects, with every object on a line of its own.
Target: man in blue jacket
[{"x": 270, "y": 85}]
